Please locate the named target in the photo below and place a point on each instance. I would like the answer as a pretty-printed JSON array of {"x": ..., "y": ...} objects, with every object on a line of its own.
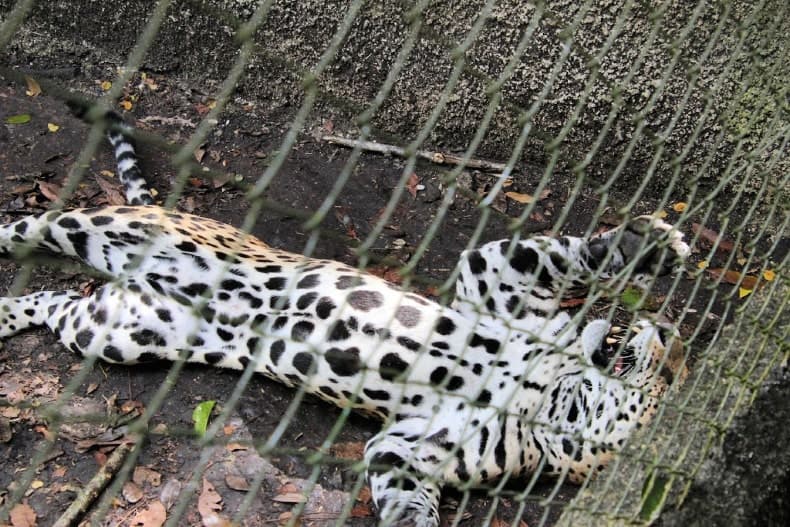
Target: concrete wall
[{"x": 683, "y": 61}]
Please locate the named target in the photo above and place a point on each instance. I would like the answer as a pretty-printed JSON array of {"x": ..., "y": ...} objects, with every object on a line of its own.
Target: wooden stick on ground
[
  {"x": 435, "y": 157},
  {"x": 94, "y": 487}
]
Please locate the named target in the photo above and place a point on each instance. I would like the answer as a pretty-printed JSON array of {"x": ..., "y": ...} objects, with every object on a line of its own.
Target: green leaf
[
  {"x": 631, "y": 298},
  {"x": 635, "y": 299},
  {"x": 22, "y": 118},
  {"x": 654, "y": 494},
  {"x": 200, "y": 416}
]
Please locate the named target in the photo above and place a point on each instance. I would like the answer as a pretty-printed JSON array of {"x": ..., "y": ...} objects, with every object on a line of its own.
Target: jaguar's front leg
[
  {"x": 511, "y": 279},
  {"x": 23, "y": 312}
]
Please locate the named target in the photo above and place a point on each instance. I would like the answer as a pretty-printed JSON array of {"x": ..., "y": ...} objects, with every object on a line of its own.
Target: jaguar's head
[{"x": 649, "y": 354}]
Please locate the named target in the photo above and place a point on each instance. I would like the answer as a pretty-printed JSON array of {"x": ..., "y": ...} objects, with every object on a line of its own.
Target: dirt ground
[{"x": 34, "y": 368}]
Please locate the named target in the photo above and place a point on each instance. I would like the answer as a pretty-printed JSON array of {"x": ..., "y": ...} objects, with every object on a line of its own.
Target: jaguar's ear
[{"x": 593, "y": 335}]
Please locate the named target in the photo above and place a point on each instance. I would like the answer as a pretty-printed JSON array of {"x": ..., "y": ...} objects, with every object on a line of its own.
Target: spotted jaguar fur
[{"x": 503, "y": 382}]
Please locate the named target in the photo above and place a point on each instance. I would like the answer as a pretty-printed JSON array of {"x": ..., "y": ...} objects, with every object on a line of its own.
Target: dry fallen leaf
[
  {"x": 729, "y": 276},
  {"x": 361, "y": 510},
  {"x": 132, "y": 492},
  {"x": 209, "y": 501},
  {"x": 150, "y": 83},
  {"x": 353, "y": 450},
  {"x": 411, "y": 185},
  {"x": 10, "y": 412},
  {"x": 519, "y": 197},
  {"x": 287, "y": 487},
  {"x": 22, "y": 188},
  {"x": 146, "y": 475},
  {"x": 237, "y": 483},
  {"x": 711, "y": 236},
  {"x": 52, "y": 127},
  {"x": 23, "y": 515},
  {"x": 228, "y": 429},
  {"x": 51, "y": 191},
  {"x": 537, "y": 216},
  {"x": 285, "y": 519},
  {"x": 289, "y": 493},
  {"x": 44, "y": 431},
  {"x": 290, "y": 497},
  {"x": 573, "y": 302},
  {"x": 219, "y": 180},
  {"x": 170, "y": 492},
  {"x": 112, "y": 190},
  {"x": 234, "y": 447},
  {"x": 203, "y": 109},
  {"x": 528, "y": 198},
  {"x": 365, "y": 495},
  {"x": 33, "y": 88},
  {"x": 343, "y": 216},
  {"x": 390, "y": 274},
  {"x": 152, "y": 516}
]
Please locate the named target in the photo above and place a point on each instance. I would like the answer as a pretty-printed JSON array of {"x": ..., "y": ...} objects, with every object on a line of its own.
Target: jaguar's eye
[
  {"x": 665, "y": 334},
  {"x": 600, "y": 357}
]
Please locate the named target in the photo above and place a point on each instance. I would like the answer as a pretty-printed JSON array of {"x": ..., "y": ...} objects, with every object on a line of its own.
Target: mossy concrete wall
[{"x": 602, "y": 83}]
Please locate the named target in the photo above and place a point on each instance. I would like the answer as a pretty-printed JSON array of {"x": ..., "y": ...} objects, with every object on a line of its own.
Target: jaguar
[{"x": 502, "y": 382}]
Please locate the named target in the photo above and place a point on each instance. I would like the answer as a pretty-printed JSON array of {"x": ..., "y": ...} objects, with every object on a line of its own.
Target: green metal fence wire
[{"x": 746, "y": 146}]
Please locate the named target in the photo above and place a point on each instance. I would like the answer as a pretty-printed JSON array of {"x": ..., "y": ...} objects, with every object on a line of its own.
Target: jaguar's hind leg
[
  {"x": 650, "y": 245},
  {"x": 404, "y": 472},
  {"x": 23, "y": 312}
]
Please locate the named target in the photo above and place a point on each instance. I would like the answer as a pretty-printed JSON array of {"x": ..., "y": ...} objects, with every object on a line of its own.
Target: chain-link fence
[{"x": 393, "y": 136}]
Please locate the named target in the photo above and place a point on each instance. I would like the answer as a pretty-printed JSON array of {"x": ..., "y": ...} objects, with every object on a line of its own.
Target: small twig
[
  {"x": 168, "y": 121},
  {"x": 25, "y": 212},
  {"x": 94, "y": 487},
  {"x": 434, "y": 157}
]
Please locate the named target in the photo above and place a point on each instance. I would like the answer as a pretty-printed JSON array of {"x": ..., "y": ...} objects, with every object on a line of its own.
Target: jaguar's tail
[{"x": 120, "y": 135}]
